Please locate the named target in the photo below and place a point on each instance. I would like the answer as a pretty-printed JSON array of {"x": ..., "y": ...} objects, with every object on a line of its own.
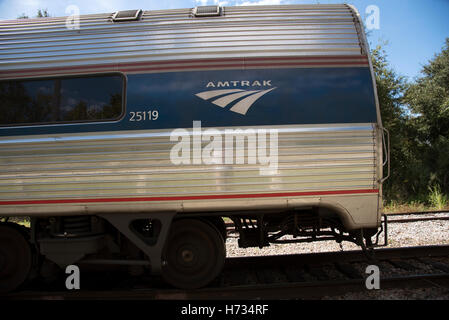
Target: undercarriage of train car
[
  {"x": 305, "y": 225},
  {"x": 188, "y": 250}
]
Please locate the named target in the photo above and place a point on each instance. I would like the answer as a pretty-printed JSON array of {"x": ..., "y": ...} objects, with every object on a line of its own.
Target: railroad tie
[{"x": 348, "y": 270}]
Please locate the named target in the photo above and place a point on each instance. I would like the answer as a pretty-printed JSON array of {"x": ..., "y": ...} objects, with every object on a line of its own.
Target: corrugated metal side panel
[
  {"x": 339, "y": 158},
  {"x": 175, "y": 34}
]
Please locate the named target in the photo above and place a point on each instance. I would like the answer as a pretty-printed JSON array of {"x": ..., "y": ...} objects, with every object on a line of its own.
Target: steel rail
[
  {"x": 301, "y": 290},
  {"x": 279, "y": 290},
  {"x": 392, "y": 214},
  {"x": 417, "y": 219}
]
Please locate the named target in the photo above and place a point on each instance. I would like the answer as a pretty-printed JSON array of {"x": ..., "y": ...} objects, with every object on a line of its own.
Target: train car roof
[{"x": 162, "y": 36}]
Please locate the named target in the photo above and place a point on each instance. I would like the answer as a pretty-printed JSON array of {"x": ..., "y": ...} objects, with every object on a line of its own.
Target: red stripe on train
[
  {"x": 244, "y": 61},
  {"x": 202, "y": 197},
  {"x": 291, "y": 64}
]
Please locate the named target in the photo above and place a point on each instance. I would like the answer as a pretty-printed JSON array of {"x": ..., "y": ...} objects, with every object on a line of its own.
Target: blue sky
[{"x": 414, "y": 29}]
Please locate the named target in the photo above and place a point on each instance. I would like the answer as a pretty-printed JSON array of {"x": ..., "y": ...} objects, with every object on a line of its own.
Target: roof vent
[
  {"x": 127, "y": 15},
  {"x": 207, "y": 11}
]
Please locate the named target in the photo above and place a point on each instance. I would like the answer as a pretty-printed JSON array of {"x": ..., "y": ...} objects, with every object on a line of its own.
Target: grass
[
  {"x": 434, "y": 200},
  {"x": 413, "y": 206}
]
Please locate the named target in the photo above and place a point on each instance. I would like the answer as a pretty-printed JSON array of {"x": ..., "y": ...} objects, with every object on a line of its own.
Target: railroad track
[
  {"x": 422, "y": 216},
  {"x": 300, "y": 276}
]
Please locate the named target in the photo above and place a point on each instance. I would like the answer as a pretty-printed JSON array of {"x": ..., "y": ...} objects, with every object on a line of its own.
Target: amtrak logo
[{"x": 229, "y": 96}]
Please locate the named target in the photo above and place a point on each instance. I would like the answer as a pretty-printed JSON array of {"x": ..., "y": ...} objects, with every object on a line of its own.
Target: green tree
[
  {"x": 428, "y": 99},
  {"x": 395, "y": 117}
]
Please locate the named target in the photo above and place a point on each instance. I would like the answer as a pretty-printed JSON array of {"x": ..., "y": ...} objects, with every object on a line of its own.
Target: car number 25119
[{"x": 150, "y": 115}]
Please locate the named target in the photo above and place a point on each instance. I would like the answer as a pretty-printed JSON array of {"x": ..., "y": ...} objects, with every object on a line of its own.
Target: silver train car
[{"x": 130, "y": 138}]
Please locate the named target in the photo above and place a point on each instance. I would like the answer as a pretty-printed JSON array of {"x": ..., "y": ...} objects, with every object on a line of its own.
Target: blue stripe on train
[{"x": 302, "y": 96}]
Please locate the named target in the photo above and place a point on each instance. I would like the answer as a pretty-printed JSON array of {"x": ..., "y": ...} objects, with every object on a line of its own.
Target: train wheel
[
  {"x": 194, "y": 254},
  {"x": 15, "y": 258}
]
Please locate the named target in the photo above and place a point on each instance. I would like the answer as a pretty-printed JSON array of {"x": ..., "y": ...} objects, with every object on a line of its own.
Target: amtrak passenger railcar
[{"x": 114, "y": 137}]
